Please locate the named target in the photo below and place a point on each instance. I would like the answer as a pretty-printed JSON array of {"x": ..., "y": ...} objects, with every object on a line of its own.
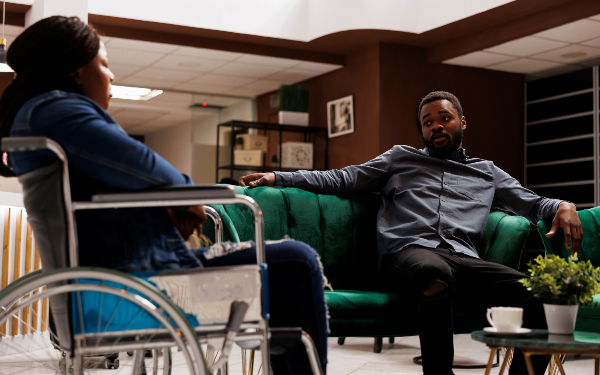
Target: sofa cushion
[{"x": 354, "y": 304}]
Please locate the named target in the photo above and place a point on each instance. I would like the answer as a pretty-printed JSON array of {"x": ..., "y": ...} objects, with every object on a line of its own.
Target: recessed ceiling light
[
  {"x": 133, "y": 93},
  {"x": 188, "y": 64},
  {"x": 574, "y": 55}
]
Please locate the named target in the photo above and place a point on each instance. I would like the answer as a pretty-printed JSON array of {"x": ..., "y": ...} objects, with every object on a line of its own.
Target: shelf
[
  {"x": 267, "y": 169},
  {"x": 272, "y": 126}
]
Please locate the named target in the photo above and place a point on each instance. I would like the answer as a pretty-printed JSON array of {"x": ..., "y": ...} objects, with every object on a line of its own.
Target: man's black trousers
[{"x": 467, "y": 280}]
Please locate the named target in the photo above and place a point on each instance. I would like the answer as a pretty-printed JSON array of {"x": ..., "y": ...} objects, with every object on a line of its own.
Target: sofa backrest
[
  {"x": 342, "y": 229},
  {"x": 590, "y": 244}
]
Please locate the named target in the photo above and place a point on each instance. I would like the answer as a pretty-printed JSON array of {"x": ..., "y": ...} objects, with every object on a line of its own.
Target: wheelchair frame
[
  {"x": 11, "y": 297},
  {"x": 153, "y": 301}
]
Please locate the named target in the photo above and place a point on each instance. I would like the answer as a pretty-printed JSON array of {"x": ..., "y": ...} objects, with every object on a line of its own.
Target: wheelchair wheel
[{"x": 106, "y": 313}]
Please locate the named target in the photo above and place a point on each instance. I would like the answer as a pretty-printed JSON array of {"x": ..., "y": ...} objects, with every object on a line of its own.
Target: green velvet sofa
[
  {"x": 588, "y": 318},
  {"x": 342, "y": 229}
]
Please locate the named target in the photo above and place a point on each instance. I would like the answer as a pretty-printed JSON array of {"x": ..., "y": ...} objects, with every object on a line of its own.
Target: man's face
[{"x": 441, "y": 127}]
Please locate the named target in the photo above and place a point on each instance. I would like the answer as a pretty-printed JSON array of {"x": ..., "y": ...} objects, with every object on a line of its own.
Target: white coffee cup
[{"x": 505, "y": 319}]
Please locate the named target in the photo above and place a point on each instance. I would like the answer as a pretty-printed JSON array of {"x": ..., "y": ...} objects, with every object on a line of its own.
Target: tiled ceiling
[
  {"x": 567, "y": 47},
  {"x": 183, "y": 71},
  {"x": 200, "y": 70}
]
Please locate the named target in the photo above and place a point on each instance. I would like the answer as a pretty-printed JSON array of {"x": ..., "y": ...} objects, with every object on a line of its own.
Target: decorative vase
[{"x": 561, "y": 318}]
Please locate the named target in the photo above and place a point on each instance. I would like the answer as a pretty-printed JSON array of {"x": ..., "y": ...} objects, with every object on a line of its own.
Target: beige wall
[{"x": 175, "y": 145}]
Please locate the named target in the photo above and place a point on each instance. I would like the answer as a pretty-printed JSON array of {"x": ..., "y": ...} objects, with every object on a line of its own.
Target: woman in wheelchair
[{"x": 62, "y": 92}]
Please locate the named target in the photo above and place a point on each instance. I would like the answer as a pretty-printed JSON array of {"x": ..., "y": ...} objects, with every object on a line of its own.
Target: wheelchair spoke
[
  {"x": 113, "y": 313},
  {"x": 100, "y": 310}
]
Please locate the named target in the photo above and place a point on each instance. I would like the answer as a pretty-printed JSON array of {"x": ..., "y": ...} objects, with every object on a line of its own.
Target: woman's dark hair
[{"x": 43, "y": 57}]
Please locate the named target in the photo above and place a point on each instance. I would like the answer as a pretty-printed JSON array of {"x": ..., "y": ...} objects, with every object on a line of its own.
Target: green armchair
[
  {"x": 342, "y": 229},
  {"x": 588, "y": 318}
]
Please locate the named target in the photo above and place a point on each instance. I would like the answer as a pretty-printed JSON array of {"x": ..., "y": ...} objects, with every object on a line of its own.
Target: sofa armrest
[{"x": 508, "y": 241}]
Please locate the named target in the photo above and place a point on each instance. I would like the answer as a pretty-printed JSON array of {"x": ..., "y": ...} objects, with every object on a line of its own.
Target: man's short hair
[{"x": 439, "y": 95}]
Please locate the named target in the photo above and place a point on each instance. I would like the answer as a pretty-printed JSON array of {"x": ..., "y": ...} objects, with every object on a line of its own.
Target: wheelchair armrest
[
  {"x": 24, "y": 143},
  {"x": 184, "y": 192}
]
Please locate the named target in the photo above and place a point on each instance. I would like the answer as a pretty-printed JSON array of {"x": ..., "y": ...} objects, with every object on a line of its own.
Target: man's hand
[
  {"x": 258, "y": 179},
  {"x": 566, "y": 217},
  {"x": 188, "y": 221}
]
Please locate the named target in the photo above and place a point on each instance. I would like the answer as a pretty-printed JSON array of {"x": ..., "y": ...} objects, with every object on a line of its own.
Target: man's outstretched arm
[
  {"x": 370, "y": 176},
  {"x": 524, "y": 202}
]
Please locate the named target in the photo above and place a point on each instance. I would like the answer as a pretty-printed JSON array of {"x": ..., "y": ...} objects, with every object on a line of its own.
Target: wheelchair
[{"x": 95, "y": 314}]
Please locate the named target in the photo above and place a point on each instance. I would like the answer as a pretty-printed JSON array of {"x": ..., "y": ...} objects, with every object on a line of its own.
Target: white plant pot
[
  {"x": 293, "y": 118},
  {"x": 561, "y": 318}
]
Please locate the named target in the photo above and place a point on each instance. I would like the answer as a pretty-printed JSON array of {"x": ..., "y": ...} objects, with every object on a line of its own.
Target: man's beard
[{"x": 449, "y": 147}]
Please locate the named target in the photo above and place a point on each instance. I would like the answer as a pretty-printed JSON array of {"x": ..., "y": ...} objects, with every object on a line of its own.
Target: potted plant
[
  {"x": 563, "y": 285},
  {"x": 275, "y": 161},
  {"x": 239, "y": 143},
  {"x": 293, "y": 105}
]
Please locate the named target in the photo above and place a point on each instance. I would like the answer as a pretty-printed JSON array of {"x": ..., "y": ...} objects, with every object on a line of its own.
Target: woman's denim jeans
[{"x": 296, "y": 297}]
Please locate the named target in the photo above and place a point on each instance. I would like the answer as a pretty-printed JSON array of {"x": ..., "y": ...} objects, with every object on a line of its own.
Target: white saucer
[{"x": 494, "y": 330}]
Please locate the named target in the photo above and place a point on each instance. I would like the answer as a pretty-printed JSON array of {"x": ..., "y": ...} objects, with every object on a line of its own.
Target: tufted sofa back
[
  {"x": 342, "y": 229},
  {"x": 590, "y": 245}
]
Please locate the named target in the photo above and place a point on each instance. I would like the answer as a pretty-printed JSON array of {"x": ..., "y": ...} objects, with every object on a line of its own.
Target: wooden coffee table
[{"x": 540, "y": 342}]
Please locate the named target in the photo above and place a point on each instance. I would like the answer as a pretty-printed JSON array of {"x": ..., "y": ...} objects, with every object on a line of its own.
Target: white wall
[
  {"x": 205, "y": 141},
  {"x": 10, "y": 185},
  {"x": 301, "y": 20},
  {"x": 175, "y": 145}
]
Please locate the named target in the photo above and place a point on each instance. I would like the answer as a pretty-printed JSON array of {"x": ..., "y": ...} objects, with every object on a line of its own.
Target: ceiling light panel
[
  {"x": 574, "y": 32},
  {"x": 135, "y": 58},
  {"x": 204, "y": 53},
  {"x": 526, "y": 46},
  {"x": 479, "y": 59},
  {"x": 525, "y": 66},
  {"x": 189, "y": 64},
  {"x": 569, "y": 55},
  {"x": 245, "y": 70},
  {"x": 219, "y": 80},
  {"x": 138, "y": 45},
  {"x": 133, "y": 93},
  {"x": 172, "y": 99}
]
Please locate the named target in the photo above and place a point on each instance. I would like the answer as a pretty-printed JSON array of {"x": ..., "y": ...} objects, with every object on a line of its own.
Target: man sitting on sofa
[{"x": 435, "y": 204}]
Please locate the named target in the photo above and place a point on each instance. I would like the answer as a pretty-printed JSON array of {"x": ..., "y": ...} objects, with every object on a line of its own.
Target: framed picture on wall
[{"x": 340, "y": 116}]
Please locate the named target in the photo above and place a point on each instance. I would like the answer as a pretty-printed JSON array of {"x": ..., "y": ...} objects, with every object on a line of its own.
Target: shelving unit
[
  {"x": 242, "y": 127},
  {"x": 562, "y": 142}
]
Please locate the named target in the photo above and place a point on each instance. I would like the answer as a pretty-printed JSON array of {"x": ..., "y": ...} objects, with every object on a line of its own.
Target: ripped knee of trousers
[{"x": 436, "y": 290}]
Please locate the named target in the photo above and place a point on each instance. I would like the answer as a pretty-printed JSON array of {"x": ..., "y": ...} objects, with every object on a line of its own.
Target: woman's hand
[{"x": 188, "y": 221}]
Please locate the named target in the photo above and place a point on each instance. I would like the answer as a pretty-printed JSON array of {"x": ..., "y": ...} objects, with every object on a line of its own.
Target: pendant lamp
[{"x": 3, "y": 66}]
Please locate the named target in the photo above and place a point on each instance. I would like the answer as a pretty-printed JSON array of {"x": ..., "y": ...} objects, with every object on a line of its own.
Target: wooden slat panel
[
  {"x": 25, "y": 328},
  {"x": 5, "y": 257},
  {"x": 17, "y": 262}
]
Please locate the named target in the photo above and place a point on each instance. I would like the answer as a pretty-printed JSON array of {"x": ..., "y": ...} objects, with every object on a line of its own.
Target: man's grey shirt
[{"x": 427, "y": 199}]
